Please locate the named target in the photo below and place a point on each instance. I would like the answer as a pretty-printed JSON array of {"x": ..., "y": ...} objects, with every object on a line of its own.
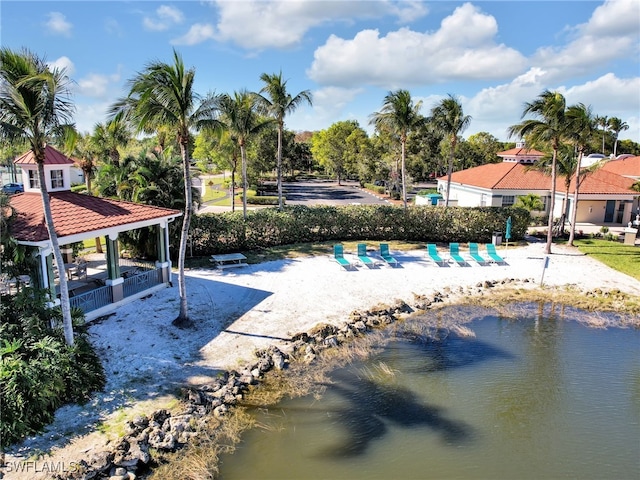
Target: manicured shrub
[{"x": 267, "y": 227}]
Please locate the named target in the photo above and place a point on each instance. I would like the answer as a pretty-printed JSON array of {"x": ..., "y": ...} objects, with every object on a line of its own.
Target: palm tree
[
  {"x": 110, "y": 135},
  {"x": 603, "y": 122},
  {"x": 278, "y": 103},
  {"x": 616, "y": 125},
  {"x": 448, "y": 118},
  {"x": 549, "y": 127},
  {"x": 401, "y": 116},
  {"x": 35, "y": 105},
  {"x": 529, "y": 202},
  {"x": 163, "y": 95},
  {"x": 239, "y": 115},
  {"x": 581, "y": 127}
]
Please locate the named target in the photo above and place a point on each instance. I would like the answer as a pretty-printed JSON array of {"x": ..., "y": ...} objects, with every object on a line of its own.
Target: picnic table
[{"x": 229, "y": 260}]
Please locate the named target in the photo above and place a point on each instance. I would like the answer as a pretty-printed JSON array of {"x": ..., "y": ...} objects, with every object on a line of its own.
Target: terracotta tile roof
[
  {"x": 51, "y": 157},
  {"x": 515, "y": 176},
  {"x": 75, "y": 213},
  {"x": 603, "y": 182},
  {"x": 503, "y": 175},
  {"x": 520, "y": 152},
  {"x": 629, "y": 166}
]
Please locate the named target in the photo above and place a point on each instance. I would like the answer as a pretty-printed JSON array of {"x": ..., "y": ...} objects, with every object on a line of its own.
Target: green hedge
[
  {"x": 263, "y": 200},
  {"x": 227, "y": 232},
  {"x": 374, "y": 188}
]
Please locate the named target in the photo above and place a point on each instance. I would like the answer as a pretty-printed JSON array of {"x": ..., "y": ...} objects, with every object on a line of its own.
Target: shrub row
[
  {"x": 38, "y": 371},
  {"x": 264, "y": 228},
  {"x": 379, "y": 189},
  {"x": 263, "y": 199}
]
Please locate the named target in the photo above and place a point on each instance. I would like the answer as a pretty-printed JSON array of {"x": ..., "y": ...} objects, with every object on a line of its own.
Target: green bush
[
  {"x": 379, "y": 189},
  {"x": 262, "y": 200},
  {"x": 38, "y": 371},
  {"x": 267, "y": 227}
]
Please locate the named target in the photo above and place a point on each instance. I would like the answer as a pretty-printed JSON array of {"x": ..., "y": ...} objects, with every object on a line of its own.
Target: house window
[
  {"x": 34, "y": 180},
  {"x": 57, "y": 180},
  {"x": 508, "y": 200}
]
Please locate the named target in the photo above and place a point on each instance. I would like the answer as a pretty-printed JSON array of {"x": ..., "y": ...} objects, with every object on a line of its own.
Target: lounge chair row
[
  {"x": 474, "y": 254},
  {"x": 432, "y": 251},
  {"x": 371, "y": 262}
]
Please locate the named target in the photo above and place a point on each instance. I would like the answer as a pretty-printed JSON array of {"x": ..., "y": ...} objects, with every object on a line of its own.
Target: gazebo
[{"x": 79, "y": 217}]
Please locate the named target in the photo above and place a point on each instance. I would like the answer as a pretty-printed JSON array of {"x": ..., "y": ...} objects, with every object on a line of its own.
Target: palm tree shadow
[{"x": 373, "y": 408}]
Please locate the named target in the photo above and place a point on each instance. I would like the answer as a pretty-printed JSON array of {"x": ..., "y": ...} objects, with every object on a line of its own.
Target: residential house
[{"x": 605, "y": 196}]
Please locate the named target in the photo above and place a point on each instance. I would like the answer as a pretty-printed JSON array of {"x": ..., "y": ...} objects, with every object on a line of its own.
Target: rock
[
  {"x": 278, "y": 361},
  {"x": 220, "y": 411},
  {"x": 331, "y": 341}
]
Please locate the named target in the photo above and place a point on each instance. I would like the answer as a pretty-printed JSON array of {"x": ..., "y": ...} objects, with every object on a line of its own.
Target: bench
[{"x": 229, "y": 260}]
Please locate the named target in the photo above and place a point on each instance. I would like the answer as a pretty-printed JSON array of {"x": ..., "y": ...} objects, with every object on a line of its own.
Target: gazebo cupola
[{"x": 57, "y": 171}]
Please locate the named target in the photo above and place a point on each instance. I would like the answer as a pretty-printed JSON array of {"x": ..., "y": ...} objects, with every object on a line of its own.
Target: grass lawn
[{"x": 624, "y": 258}]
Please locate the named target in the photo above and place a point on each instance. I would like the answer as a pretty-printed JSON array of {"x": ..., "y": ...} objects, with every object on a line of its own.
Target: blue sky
[{"x": 493, "y": 55}]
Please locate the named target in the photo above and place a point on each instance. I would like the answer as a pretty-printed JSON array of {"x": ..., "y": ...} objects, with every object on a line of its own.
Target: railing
[
  {"x": 141, "y": 281},
  {"x": 93, "y": 299}
]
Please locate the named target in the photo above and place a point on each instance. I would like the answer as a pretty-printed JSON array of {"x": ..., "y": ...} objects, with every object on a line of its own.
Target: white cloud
[
  {"x": 198, "y": 33},
  {"x": 94, "y": 85},
  {"x": 57, "y": 24},
  {"x": 409, "y": 11},
  {"x": 63, "y": 63},
  {"x": 164, "y": 18},
  {"x": 89, "y": 114},
  {"x": 462, "y": 49},
  {"x": 258, "y": 24},
  {"x": 611, "y": 33}
]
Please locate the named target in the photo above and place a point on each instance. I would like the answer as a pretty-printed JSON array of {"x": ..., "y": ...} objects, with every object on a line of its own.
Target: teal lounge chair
[
  {"x": 386, "y": 256},
  {"x": 432, "y": 251},
  {"x": 475, "y": 255},
  {"x": 363, "y": 257},
  {"x": 491, "y": 251},
  {"x": 454, "y": 253},
  {"x": 338, "y": 256}
]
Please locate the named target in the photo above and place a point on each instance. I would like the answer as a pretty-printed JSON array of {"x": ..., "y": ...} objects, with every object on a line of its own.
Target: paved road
[
  {"x": 328, "y": 193},
  {"x": 317, "y": 193}
]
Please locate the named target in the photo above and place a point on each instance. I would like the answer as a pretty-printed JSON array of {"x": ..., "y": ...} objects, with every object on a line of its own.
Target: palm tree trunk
[
  {"x": 279, "y": 166},
  {"x": 552, "y": 203},
  {"x": 244, "y": 181},
  {"x": 404, "y": 186},
  {"x": 574, "y": 212},
  {"x": 233, "y": 189},
  {"x": 182, "y": 320},
  {"x": 65, "y": 305},
  {"x": 449, "y": 173},
  {"x": 87, "y": 182}
]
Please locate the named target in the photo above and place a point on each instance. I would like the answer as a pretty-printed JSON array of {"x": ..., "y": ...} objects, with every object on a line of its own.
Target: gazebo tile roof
[{"x": 75, "y": 213}]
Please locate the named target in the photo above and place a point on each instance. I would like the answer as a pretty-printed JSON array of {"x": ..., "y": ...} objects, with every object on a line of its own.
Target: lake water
[{"x": 525, "y": 399}]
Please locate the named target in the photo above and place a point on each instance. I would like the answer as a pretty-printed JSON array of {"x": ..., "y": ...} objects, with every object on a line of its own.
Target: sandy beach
[{"x": 239, "y": 310}]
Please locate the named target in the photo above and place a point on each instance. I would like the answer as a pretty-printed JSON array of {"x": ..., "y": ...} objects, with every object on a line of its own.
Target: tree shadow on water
[{"x": 373, "y": 407}]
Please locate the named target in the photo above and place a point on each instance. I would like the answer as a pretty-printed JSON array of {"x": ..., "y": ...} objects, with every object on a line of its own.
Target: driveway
[
  {"x": 316, "y": 193},
  {"x": 328, "y": 193}
]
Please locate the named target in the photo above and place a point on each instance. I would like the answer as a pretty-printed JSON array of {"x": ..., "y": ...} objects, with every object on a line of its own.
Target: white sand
[{"x": 239, "y": 310}]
